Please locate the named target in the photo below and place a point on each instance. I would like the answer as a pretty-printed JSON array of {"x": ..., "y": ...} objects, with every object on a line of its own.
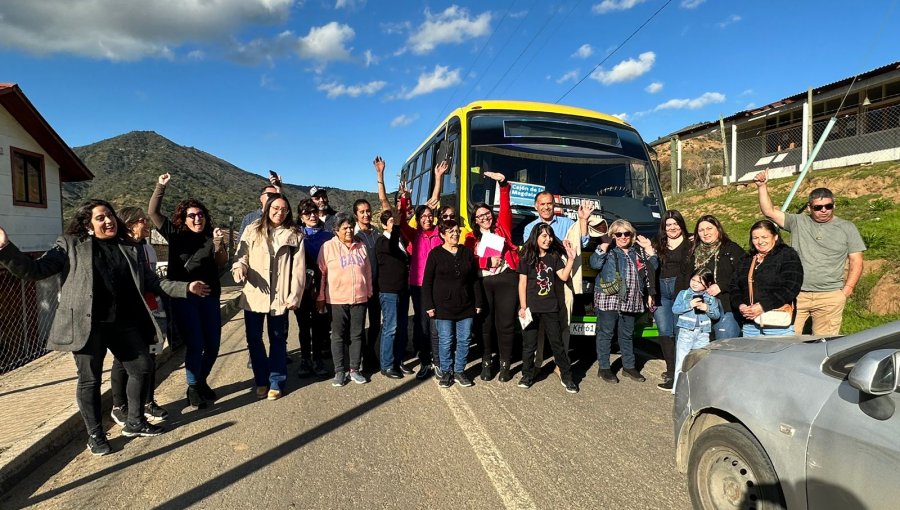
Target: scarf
[{"x": 706, "y": 252}]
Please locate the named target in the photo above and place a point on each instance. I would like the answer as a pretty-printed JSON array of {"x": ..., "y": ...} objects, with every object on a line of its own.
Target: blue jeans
[
  {"x": 688, "y": 340},
  {"x": 200, "y": 325},
  {"x": 271, "y": 370},
  {"x": 726, "y": 327},
  {"x": 450, "y": 361},
  {"x": 606, "y": 323},
  {"x": 753, "y": 329},
  {"x": 394, "y": 314},
  {"x": 663, "y": 316}
]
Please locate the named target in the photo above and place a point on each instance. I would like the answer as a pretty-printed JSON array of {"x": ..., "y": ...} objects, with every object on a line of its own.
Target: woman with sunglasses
[
  {"x": 196, "y": 252},
  {"x": 313, "y": 326},
  {"x": 451, "y": 295},
  {"x": 137, "y": 230},
  {"x": 272, "y": 266},
  {"x": 715, "y": 251},
  {"x": 769, "y": 278},
  {"x": 628, "y": 265},
  {"x": 499, "y": 279},
  {"x": 675, "y": 266}
]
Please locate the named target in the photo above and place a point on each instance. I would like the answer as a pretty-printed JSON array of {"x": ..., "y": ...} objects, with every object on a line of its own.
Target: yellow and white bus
[{"x": 571, "y": 152}]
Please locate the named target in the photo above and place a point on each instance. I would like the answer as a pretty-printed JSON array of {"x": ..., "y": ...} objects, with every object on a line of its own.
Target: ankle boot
[
  {"x": 505, "y": 375},
  {"x": 206, "y": 392},
  {"x": 195, "y": 398},
  {"x": 486, "y": 374},
  {"x": 667, "y": 345}
]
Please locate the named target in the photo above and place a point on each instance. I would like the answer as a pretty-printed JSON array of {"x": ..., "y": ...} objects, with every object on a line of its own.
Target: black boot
[
  {"x": 195, "y": 398},
  {"x": 504, "y": 375},
  {"x": 206, "y": 392},
  {"x": 667, "y": 344},
  {"x": 486, "y": 370}
]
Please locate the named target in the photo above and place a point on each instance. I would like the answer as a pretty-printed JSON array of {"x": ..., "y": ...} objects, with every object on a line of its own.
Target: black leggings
[
  {"x": 129, "y": 346},
  {"x": 550, "y": 322},
  {"x": 118, "y": 381},
  {"x": 501, "y": 297}
]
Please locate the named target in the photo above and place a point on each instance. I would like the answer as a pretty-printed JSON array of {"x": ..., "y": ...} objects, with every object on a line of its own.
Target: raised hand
[
  {"x": 275, "y": 180},
  {"x": 497, "y": 176},
  {"x": 199, "y": 288},
  {"x": 585, "y": 209},
  {"x": 570, "y": 250},
  {"x": 402, "y": 190},
  {"x": 164, "y": 179},
  {"x": 4, "y": 239},
  {"x": 761, "y": 177},
  {"x": 441, "y": 168},
  {"x": 644, "y": 242},
  {"x": 379, "y": 165},
  {"x": 218, "y": 234}
]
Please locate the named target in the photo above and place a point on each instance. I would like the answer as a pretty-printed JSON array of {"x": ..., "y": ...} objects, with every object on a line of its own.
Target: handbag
[
  {"x": 782, "y": 317},
  {"x": 612, "y": 287}
]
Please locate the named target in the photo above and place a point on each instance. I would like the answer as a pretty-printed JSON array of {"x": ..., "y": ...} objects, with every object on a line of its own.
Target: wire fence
[
  {"x": 702, "y": 163},
  {"x": 26, "y": 312}
]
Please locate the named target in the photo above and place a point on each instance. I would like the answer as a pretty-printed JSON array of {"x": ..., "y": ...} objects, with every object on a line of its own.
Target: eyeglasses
[
  {"x": 139, "y": 220},
  {"x": 622, "y": 234},
  {"x": 484, "y": 216},
  {"x": 448, "y": 216},
  {"x": 195, "y": 216},
  {"x": 828, "y": 206}
]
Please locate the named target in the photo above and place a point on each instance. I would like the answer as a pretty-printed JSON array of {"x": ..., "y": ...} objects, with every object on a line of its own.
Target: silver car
[{"x": 792, "y": 422}]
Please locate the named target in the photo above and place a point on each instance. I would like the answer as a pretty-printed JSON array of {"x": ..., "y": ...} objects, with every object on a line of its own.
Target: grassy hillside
[{"x": 866, "y": 195}]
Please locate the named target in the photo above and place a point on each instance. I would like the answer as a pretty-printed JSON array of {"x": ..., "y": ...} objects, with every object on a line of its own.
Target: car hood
[{"x": 767, "y": 344}]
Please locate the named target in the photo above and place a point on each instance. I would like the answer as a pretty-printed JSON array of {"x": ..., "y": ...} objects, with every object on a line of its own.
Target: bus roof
[{"x": 526, "y": 106}]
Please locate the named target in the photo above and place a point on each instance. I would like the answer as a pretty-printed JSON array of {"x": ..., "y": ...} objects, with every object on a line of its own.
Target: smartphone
[
  {"x": 697, "y": 296},
  {"x": 273, "y": 174}
]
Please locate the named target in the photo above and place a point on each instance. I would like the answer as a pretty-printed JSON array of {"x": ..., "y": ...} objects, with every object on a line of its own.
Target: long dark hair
[
  {"x": 660, "y": 243},
  {"x": 264, "y": 222},
  {"x": 709, "y": 218},
  {"x": 80, "y": 224},
  {"x": 769, "y": 226},
  {"x": 180, "y": 215},
  {"x": 531, "y": 251},
  {"x": 477, "y": 230}
]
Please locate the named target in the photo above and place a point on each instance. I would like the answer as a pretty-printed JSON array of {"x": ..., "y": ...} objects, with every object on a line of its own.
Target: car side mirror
[{"x": 876, "y": 373}]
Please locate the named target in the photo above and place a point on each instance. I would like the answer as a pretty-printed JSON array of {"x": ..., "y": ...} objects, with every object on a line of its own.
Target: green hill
[
  {"x": 126, "y": 168},
  {"x": 866, "y": 195}
]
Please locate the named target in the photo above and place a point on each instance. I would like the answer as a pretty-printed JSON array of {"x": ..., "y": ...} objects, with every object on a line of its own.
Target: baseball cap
[{"x": 316, "y": 190}]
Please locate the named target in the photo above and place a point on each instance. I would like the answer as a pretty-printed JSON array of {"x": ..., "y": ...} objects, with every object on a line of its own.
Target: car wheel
[{"x": 728, "y": 468}]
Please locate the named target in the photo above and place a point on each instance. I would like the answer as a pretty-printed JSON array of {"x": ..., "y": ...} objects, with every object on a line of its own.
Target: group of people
[{"x": 335, "y": 271}]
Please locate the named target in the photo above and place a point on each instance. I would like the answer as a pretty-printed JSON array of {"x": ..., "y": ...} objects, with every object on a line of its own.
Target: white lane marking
[{"x": 508, "y": 487}]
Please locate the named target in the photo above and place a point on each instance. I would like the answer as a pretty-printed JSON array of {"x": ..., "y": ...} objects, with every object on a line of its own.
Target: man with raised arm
[{"x": 825, "y": 244}]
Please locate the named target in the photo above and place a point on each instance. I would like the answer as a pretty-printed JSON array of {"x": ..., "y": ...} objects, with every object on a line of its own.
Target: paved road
[{"x": 386, "y": 444}]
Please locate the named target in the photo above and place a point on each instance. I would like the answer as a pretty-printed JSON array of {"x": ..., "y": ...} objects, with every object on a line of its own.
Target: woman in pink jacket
[{"x": 346, "y": 287}]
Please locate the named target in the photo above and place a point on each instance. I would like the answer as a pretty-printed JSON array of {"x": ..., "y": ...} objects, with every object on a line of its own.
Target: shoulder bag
[
  {"x": 613, "y": 286},
  {"x": 782, "y": 316}
]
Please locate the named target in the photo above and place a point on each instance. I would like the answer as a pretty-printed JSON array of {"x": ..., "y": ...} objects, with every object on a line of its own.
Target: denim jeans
[
  {"x": 663, "y": 316},
  {"x": 688, "y": 340},
  {"x": 271, "y": 370},
  {"x": 726, "y": 327},
  {"x": 425, "y": 335},
  {"x": 753, "y": 329},
  {"x": 450, "y": 361},
  {"x": 394, "y": 314},
  {"x": 370, "y": 341},
  {"x": 200, "y": 325},
  {"x": 606, "y": 323}
]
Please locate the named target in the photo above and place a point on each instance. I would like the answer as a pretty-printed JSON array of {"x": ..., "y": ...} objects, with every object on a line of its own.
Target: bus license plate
[{"x": 583, "y": 329}]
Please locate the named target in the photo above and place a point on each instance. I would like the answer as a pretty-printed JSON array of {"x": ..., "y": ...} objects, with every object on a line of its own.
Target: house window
[{"x": 28, "y": 178}]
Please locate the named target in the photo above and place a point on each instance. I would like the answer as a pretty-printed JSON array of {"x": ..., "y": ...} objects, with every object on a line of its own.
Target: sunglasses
[
  {"x": 309, "y": 212},
  {"x": 622, "y": 234},
  {"x": 822, "y": 206},
  {"x": 197, "y": 216},
  {"x": 447, "y": 216}
]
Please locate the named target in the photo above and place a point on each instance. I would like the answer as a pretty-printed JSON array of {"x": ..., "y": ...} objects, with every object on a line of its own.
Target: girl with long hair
[{"x": 714, "y": 250}]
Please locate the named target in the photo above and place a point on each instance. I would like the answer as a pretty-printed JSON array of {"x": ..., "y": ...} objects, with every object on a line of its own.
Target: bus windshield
[{"x": 572, "y": 159}]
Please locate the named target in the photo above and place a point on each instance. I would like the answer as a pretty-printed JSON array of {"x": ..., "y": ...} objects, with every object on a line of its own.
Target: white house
[{"x": 34, "y": 162}]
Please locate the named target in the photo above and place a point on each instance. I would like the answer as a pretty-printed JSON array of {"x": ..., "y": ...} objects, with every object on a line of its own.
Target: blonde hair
[{"x": 623, "y": 225}]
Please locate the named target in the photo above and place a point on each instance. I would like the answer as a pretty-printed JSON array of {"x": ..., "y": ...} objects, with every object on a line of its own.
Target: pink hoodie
[{"x": 346, "y": 273}]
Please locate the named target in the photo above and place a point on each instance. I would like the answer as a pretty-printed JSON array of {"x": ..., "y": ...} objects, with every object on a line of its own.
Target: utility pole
[
  {"x": 725, "y": 172},
  {"x": 673, "y": 164}
]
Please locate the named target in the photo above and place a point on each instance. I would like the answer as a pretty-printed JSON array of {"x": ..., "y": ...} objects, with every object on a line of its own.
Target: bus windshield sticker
[
  {"x": 476, "y": 169},
  {"x": 520, "y": 193},
  {"x": 571, "y": 204}
]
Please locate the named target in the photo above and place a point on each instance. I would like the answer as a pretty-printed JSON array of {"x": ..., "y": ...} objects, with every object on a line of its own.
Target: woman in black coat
[
  {"x": 101, "y": 306},
  {"x": 716, "y": 252},
  {"x": 775, "y": 272}
]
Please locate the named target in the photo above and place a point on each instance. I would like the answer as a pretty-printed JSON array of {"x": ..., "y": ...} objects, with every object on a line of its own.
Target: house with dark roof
[{"x": 781, "y": 135}]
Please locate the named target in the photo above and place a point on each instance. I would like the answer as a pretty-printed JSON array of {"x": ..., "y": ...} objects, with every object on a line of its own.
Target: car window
[{"x": 842, "y": 363}]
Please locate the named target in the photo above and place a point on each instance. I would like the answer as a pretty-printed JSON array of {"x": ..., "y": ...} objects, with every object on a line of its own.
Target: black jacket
[
  {"x": 393, "y": 263},
  {"x": 723, "y": 267},
  {"x": 451, "y": 286},
  {"x": 776, "y": 281}
]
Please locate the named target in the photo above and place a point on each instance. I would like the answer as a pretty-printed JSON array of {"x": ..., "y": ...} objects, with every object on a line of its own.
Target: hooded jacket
[
  {"x": 346, "y": 273},
  {"x": 275, "y": 268}
]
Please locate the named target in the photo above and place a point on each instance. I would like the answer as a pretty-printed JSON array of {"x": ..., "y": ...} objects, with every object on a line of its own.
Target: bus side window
[{"x": 427, "y": 176}]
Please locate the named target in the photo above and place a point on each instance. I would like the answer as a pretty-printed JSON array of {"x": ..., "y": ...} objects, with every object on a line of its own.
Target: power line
[
  {"x": 638, "y": 29},
  {"x": 486, "y": 44},
  {"x": 523, "y": 52}
]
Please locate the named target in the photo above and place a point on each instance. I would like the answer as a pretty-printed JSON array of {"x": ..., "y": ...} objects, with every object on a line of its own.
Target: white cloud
[
  {"x": 626, "y": 70},
  {"x": 127, "y": 31},
  {"x": 393, "y": 28},
  {"x": 453, "y": 26},
  {"x": 734, "y": 18},
  {"x": 335, "y": 90},
  {"x": 750, "y": 105},
  {"x": 370, "y": 58},
  {"x": 441, "y": 78},
  {"x": 707, "y": 98},
  {"x": 196, "y": 55},
  {"x": 518, "y": 14},
  {"x": 325, "y": 43},
  {"x": 614, "y": 5},
  {"x": 746, "y": 92},
  {"x": 583, "y": 51},
  {"x": 349, "y": 4},
  {"x": 621, "y": 116},
  {"x": 404, "y": 120},
  {"x": 654, "y": 87},
  {"x": 691, "y": 4},
  {"x": 570, "y": 76}
]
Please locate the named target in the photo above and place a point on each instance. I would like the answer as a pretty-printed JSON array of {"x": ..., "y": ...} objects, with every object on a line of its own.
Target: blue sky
[{"x": 315, "y": 89}]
